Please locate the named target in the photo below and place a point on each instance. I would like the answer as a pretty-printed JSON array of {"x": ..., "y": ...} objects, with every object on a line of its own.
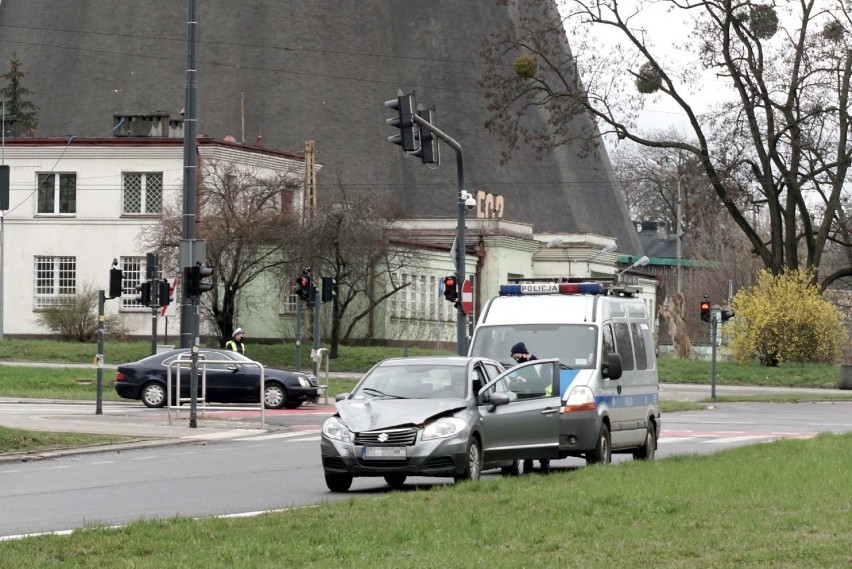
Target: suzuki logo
[{"x": 383, "y": 438}]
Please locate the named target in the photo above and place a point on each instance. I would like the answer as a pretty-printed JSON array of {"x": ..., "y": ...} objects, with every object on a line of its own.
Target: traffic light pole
[
  {"x": 461, "y": 246},
  {"x": 99, "y": 398},
  {"x": 714, "y": 328}
]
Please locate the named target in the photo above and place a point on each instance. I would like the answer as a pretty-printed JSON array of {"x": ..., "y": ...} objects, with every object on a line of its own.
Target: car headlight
[
  {"x": 443, "y": 427},
  {"x": 303, "y": 381},
  {"x": 334, "y": 428}
]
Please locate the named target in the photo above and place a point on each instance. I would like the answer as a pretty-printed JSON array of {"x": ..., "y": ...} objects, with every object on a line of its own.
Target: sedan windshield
[{"x": 413, "y": 382}]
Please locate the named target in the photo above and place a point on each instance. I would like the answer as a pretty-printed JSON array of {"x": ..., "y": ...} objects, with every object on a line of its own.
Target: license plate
[{"x": 386, "y": 453}]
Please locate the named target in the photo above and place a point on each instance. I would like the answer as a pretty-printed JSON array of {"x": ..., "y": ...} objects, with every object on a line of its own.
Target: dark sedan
[{"x": 230, "y": 378}]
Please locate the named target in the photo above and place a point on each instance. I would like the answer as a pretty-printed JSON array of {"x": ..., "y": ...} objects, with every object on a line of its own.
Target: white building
[{"x": 77, "y": 204}]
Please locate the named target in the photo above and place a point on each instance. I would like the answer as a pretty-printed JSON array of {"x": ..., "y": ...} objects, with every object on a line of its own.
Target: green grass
[
  {"x": 752, "y": 373},
  {"x": 782, "y": 504},
  {"x": 16, "y": 440}
]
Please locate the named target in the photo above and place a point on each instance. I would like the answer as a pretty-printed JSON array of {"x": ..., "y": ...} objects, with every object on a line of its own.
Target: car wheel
[
  {"x": 395, "y": 480},
  {"x": 473, "y": 467},
  {"x": 648, "y": 450},
  {"x": 338, "y": 482},
  {"x": 602, "y": 453},
  {"x": 517, "y": 468},
  {"x": 153, "y": 395},
  {"x": 274, "y": 396}
]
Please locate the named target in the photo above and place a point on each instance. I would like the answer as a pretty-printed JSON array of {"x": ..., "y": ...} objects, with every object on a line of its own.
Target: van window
[
  {"x": 623, "y": 345},
  {"x": 573, "y": 344},
  {"x": 608, "y": 341},
  {"x": 639, "y": 344}
]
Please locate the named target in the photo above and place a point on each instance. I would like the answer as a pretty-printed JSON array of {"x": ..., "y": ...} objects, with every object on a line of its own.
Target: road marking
[
  {"x": 276, "y": 436},
  {"x": 232, "y": 434}
]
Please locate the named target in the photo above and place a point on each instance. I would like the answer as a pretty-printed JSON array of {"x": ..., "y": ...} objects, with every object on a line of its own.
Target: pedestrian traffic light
[
  {"x": 451, "y": 290},
  {"x": 164, "y": 297},
  {"x": 144, "y": 296},
  {"x": 705, "y": 310},
  {"x": 196, "y": 284},
  {"x": 303, "y": 287},
  {"x": 115, "y": 282},
  {"x": 404, "y": 106},
  {"x": 428, "y": 151},
  {"x": 329, "y": 289}
]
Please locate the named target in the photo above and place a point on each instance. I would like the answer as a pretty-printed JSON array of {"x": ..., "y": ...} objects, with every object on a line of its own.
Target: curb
[{"x": 12, "y": 458}]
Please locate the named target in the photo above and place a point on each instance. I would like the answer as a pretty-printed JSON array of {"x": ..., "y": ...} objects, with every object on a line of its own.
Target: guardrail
[{"x": 174, "y": 403}]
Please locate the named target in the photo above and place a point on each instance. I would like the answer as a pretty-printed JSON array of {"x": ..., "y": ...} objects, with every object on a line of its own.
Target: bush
[
  {"x": 78, "y": 318},
  {"x": 784, "y": 318}
]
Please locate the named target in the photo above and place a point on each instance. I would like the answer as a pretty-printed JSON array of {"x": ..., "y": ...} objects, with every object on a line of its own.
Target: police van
[{"x": 608, "y": 384}]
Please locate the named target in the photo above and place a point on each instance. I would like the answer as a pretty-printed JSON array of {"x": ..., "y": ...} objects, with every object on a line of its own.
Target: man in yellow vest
[{"x": 236, "y": 344}]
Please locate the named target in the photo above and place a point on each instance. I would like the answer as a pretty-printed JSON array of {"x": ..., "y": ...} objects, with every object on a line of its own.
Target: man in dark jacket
[{"x": 520, "y": 354}]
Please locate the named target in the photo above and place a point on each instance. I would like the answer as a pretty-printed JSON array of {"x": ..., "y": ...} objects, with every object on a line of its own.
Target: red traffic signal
[
  {"x": 705, "y": 311},
  {"x": 451, "y": 289},
  {"x": 303, "y": 287}
]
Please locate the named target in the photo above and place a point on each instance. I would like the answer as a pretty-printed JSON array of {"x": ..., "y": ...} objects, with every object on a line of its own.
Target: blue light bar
[{"x": 527, "y": 289}]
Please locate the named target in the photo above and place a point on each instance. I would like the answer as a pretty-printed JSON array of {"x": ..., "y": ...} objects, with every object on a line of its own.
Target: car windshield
[
  {"x": 573, "y": 344},
  {"x": 413, "y": 381}
]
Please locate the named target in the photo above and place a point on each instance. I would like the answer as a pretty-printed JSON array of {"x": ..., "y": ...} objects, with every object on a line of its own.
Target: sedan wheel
[
  {"x": 153, "y": 395},
  {"x": 274, "y": 396},
  {"x": 473, "y": 468},
  {"x": 338, "y": 482}
]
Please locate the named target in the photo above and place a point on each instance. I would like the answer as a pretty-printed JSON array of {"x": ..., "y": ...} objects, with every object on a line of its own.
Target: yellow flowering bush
[{"x": 784, "y": 318}]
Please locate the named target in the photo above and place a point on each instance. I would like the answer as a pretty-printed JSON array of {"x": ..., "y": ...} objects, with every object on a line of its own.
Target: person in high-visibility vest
[{"x": 237, "y": 344}]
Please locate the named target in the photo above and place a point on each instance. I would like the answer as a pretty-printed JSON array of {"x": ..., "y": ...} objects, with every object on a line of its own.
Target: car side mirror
[
  {"x": 341, "y": 396},
  {"x": 611, "y": 368},
  {"x": 497, "y": 399}
]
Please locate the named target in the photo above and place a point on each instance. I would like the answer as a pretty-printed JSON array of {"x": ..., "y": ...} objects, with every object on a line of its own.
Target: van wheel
[
  {"x": 648, "y": 450},
  {"x": 602, "y": 453},
  {"x": 473, "y": 467},
  {"x": 395, "y": 481},
  {"x": 517, "y": 468}
]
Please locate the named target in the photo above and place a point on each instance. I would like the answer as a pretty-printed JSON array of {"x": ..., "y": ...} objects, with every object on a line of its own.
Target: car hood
[{"x": 372, "y": 414}]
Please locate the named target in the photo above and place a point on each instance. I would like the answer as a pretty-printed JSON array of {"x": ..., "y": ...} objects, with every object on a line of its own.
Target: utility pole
[{"x": 190, "y": 147}]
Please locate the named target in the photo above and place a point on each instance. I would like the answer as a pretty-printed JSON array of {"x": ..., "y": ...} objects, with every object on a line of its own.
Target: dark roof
[{"x": 317, "y": 70}]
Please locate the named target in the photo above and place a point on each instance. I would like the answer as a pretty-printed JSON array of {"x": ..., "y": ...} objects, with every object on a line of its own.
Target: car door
[
  {"x": 226, "y": 380},
  {"x": 527, "y": 426}
]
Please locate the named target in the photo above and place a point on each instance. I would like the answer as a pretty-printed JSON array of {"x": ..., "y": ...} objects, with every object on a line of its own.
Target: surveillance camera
[{"x": 470, "y": 202}]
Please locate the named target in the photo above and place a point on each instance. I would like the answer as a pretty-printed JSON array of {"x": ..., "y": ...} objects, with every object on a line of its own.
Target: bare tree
[
  {"x": 244, "y": 217},
  {"x": 350, "y": 241},
  {"x": 780, "y": 143}
]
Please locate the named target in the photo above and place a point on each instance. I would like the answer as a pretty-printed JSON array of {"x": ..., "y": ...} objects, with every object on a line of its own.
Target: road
[{"x": 280, "y": 468}]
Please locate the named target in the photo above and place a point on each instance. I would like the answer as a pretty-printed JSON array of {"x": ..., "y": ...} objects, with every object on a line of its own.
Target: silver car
[{"x": 442, "y": 416}]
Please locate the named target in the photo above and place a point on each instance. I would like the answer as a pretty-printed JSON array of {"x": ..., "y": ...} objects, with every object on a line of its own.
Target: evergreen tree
[{"x": 20, "y": 112}]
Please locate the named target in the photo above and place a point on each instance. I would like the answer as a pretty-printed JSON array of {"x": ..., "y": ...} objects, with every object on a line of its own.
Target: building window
[
  {"x": 57, "y": 193},
  {"x": 143, "y": 192},
  {"x": 55, "y": 281},
  {"x": 133, "y": 273}
]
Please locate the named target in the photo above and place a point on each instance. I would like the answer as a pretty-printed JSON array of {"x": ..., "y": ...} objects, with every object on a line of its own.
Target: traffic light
[
  {"x": 727, "y": 313},
  {"x": 115, "y": 284},
  {"x": 705, "y": 310},
  {"x": 451, "y": 290},
  {"x": 197, "y": 273},
  {"x": 329, "y": 289},
  {"x": 164, "y": 297},
  {"x": 144, "y": 296},
  {"x": 404, "y": 105},
  {"x": 428, "y": 151},
  {"x": 4, "y": 187},
  {"x": 303, "y": 287}
]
